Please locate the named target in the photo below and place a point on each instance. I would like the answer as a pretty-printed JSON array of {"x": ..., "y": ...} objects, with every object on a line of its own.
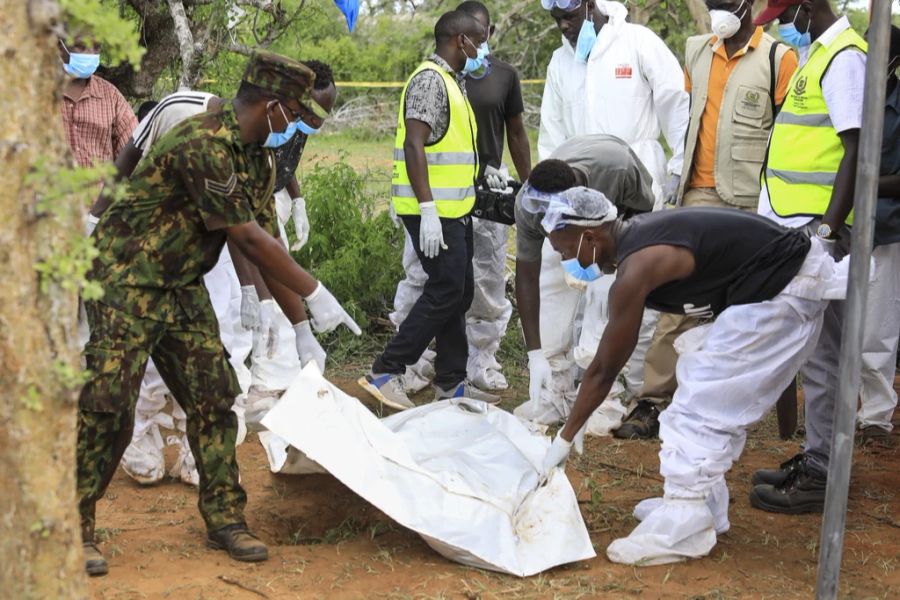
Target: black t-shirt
[
  {"x": 287, "y": 157},
  {"x": 494, "y": 98},
  {"x": 741, "y": 258}
]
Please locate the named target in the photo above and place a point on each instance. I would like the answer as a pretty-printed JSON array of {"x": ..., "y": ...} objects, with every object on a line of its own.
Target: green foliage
[
  {"x": 354, "y": 248},
  {"x": 383, "y": 48},
  {"x": 118, "y": 36},
  {"x": 62, "y": 194}
]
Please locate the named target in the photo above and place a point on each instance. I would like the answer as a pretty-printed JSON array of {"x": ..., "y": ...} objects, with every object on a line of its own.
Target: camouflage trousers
[{"x": 193, "y": 363}]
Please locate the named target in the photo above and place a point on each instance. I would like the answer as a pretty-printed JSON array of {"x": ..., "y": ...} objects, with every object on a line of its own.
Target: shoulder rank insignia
[{"x": 221, "y": 188}]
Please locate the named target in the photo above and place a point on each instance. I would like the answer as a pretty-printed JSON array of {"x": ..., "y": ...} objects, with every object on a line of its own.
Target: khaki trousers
[{"x": 659, "y": 364}]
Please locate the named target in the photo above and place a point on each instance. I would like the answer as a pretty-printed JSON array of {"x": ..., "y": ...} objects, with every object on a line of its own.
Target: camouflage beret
[{"x": 282, "y": 76}]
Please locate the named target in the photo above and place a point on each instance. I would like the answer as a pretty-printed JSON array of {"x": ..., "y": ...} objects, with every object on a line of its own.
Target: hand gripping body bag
[{"x": 462, "y": 474}]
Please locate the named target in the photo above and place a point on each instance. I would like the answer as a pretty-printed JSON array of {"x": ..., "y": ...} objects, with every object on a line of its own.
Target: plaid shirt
[{"x": 99, "y": 124}]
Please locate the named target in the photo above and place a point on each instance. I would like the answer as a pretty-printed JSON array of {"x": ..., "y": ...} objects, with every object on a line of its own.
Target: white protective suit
[
  {"x": 730, "y": 374},
  {"x": 487, "y": 318},
  {"x": 572, "y": 323},
  {"x": 273, "y": 374},
  {"x": 632, "y": 87}
]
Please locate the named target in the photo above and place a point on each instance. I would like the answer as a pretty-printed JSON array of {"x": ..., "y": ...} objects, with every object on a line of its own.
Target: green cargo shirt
[{"x": 157, "y": 242}]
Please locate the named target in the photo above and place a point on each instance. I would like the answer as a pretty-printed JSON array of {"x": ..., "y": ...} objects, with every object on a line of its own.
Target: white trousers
[
  {"x": 572, "y": 323},
  {"x": 730, "y": 374},
  {"x": 879, "y": 354},
  {"x": 275, "y": 372},
  {"x": 489, "y": 314}
]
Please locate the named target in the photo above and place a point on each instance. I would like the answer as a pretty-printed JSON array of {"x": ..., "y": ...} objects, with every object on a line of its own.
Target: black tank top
[{"x": 741, "y": 258}]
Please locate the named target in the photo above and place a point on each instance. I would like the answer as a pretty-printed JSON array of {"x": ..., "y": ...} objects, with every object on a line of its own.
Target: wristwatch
[{"x": 824, "y": 232}]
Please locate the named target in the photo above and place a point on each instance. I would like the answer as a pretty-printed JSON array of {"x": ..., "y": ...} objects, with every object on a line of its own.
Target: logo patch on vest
[
  {"x": 623, "y": 72},
  {"x": 800, "y": 86}
]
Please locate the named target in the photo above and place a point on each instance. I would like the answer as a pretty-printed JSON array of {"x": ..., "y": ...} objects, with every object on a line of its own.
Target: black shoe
[
  {"x": 777, "y": 477},
  {"x": 94, "y": 563},
  {"x": 803, "y": 492},
  {"x": 641, "y": 424},
  {"x": 238, "y": 542},
  {"x": 873, "y": 435}
]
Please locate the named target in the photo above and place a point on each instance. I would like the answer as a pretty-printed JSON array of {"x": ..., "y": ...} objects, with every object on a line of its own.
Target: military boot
[
  {"x": 94, "y": 563},
  {"x": 240, "y": 544}
]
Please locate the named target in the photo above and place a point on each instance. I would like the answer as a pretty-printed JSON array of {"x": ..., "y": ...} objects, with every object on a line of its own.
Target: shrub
[{"x": 353, "y": 248}]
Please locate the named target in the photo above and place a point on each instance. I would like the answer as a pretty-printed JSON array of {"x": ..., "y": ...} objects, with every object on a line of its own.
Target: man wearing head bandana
[{"x": 763, "y": 289}]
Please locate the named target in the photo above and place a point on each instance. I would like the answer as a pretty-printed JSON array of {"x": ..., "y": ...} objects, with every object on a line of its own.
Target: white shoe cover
[
  {"x": 143, "y": 459},
  {"x": 675, "y": 531},
  {"x": 491, "y": 380},
  {"x": 717, "y": 502}
]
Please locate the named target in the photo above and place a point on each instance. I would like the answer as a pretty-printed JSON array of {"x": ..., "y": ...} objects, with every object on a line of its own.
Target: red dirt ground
[{"x": 326, "y": 542}]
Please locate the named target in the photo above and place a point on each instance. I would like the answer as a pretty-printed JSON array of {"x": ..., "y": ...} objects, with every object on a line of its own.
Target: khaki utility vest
[{"x": 745, "y": 119}]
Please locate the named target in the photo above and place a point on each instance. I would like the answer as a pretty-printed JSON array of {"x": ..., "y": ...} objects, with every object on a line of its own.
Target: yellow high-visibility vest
[
  {"x": 452, "y": 160},
  {"x": 805, "y": 151}
]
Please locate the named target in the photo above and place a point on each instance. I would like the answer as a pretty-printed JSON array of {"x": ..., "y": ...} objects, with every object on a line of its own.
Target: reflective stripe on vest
[
  {"x": 805, "y": 151},
  {"x": 452, "y": 160}
]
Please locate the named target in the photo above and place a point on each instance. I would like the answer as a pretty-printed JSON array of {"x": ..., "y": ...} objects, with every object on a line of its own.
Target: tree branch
[{"x": 185, "y": 41}]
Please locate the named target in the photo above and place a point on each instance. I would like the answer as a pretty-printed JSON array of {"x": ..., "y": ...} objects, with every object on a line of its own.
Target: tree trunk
[{"x": 40, "y": 545}]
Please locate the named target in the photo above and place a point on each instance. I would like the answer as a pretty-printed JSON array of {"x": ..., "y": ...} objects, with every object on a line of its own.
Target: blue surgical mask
[
  {"x": 304, "y": 128},
  {"x": 579, "y": 277},
  {"x": 81, "y": 65},
  {"x": 473, "y": 64},
  {"x": 792, "y": 36},
  {"x": 274, "y": 140},
  {"x": 587, "y": 37}
]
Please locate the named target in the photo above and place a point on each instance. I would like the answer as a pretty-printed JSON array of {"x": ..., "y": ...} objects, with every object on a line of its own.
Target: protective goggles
[
  {"x": 561, "y": 4},
  {"x": 535, "y": 201}
]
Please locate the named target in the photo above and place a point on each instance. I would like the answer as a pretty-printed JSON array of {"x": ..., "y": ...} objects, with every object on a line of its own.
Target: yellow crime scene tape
[{"x": 399, "y": 84}]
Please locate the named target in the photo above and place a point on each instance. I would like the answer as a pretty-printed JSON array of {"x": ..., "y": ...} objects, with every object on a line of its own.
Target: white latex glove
[
  {"x": 301, "y": 223},
  {"x": 308, "y": 347},
  {"x": 495, "y": 178},
  {"x": 670, "y": 191},
  {"x": 431, "y": 235},
  {"x": 265, "y": 334},
  {"x": 90, "y": 225},
  {"x": 578, "y": 440},
  {"x": 556, "y": 456},
  {"x": 539, "y": 372},
  {"x": 327, "y": 313},
  {"x": 249, "y": 307}
]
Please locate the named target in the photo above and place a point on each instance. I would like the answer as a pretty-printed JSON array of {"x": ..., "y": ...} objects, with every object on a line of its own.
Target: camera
[{"x": 497, "y": 206}]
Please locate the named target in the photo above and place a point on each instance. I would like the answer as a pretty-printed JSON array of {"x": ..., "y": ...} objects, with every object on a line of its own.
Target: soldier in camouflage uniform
[{"x": 207, "y": 180}]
